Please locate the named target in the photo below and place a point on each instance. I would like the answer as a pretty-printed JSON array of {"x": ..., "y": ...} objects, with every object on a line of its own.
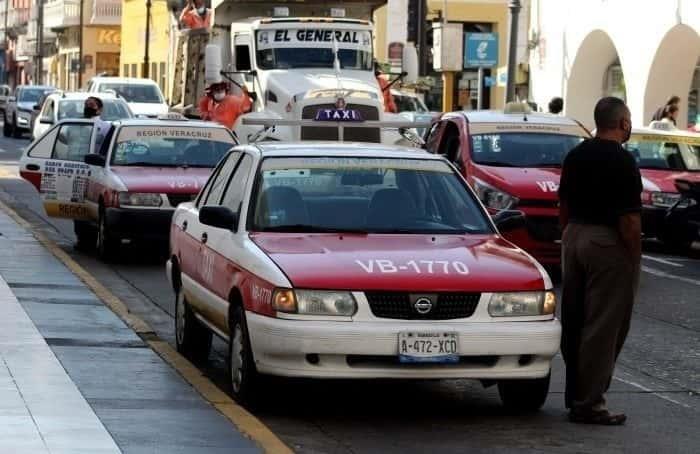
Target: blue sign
[{"x": 480, "y": 50}]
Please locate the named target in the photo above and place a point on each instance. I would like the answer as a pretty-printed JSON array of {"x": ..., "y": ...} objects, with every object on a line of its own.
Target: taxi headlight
[
  {"x": 664, "y": 199},
  {"x": 314, "y": 302},
  {"x": 516, "y": 304},
  {"x": 140, "y": 199},
  {"x": 492, "y": 197}
]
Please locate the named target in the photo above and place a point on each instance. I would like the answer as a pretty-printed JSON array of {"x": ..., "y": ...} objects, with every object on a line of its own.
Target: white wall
[{"x": 657, "y": 43}]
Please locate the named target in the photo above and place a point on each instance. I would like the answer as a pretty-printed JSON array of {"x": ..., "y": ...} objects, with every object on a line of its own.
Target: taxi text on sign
[{"x": 480, "y": 50}]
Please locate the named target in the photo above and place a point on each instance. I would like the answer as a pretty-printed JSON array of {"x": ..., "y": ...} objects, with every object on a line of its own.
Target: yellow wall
[
  {"x": 460, "y": 11},
  {"x": 133, "y": 43}
]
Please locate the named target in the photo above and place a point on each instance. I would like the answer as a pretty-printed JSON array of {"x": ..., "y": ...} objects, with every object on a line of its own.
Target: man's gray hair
[{"x": 608, "y": 113}]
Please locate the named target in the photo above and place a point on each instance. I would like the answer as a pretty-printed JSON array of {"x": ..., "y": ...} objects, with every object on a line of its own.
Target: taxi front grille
[
  {"x": 350, "y": 134},
  {"x": 176, "y": 199},
  {"x": 543, "y": 228},
  {"x": 401, "y": 305}
]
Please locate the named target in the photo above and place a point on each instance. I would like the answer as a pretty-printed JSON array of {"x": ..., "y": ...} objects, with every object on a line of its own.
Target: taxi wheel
[
  {"x": 6, "y": 129},
  {"x": 106, "y": 244},
  {"x": 191, "y": 337},
  {"x": 243, "y": 374},
  {"x": 85, "y": 234},
  {"x": 526, "y": 395}
]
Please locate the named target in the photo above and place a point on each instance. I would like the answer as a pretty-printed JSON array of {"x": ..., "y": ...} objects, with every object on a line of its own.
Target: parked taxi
[
  {"x": 338, "y": 260},
  {"x": 128, "y": 187},
  {"x": 512, "y": 159},
  {"x": 663, "y": 156}
]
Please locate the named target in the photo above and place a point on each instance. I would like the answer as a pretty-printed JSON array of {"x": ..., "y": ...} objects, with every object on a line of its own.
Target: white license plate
[{"x": 423, "y": 347}]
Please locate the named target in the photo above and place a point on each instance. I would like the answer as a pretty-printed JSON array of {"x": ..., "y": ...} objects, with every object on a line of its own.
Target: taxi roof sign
[
  {"x": 661, "y": 125},
  {"x": 172, "y": 116}
]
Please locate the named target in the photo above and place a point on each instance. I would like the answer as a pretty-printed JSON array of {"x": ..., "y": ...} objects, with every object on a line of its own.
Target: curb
[{"x": 241, "y": 418}]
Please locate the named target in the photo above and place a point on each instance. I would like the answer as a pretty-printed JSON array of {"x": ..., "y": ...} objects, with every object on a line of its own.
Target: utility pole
[
  {"x": 514, "y": 6},
  {"x": 146, "y": 57},
  {"x": 5, "y": 76},
  {"x": 39, "y": 67},
  {"x": 80, "y": 45},
  {"x": 422, "y": 38}
]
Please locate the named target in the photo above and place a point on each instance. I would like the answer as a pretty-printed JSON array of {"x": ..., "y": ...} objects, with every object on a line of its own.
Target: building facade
[
  {"x": 643, "y": 51},
  {"x": 16, "y": 50},
  {"x": 163, "y": 26},
  {"x": 458, "y": 90}
]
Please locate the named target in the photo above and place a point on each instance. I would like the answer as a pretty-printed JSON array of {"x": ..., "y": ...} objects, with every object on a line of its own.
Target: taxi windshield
[
  {"x": 169, "y": 153},
  {"x": 516, "y": 149},
  {"x": 364, "y": 195},
  {"x": 112, "y": 110},
  {"x": 670, "y": 153},
  {"x": 137, "y": 93}
]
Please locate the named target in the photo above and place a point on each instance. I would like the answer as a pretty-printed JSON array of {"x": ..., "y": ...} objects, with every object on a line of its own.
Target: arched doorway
[
  {"x": 595, "y": 72},
  {"x": 672, "y": 72}
]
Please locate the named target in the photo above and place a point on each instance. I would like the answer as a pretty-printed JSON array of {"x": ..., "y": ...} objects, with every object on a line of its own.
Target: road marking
[
  {"x": 659, "y": 273},
  {"x": 241, "y": 418},
  {"x": 664, "y": 261},
  {"x": 647, "y": 390}
]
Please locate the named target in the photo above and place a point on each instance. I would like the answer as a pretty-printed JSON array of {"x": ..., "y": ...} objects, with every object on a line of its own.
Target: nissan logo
[{"x": 423, "y": 305}]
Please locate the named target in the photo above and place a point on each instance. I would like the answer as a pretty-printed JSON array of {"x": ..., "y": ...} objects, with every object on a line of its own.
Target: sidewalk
[{"x": 75, "y": 379}]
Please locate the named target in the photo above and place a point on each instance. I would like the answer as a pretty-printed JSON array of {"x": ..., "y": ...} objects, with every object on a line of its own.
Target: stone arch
[
  {"x": 672, "y": 70},
  {"x": 596, "y": 61}
]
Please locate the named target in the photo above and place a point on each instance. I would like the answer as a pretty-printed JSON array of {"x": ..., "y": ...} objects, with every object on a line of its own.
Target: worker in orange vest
[
  {"x": 389, "y": 104},
  {"x": 195, "y": 15},
  {"x": 223, "y": 107}
]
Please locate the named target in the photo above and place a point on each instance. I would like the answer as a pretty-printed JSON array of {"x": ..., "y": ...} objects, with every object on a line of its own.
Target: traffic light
[{"x": 412, "y": 25}]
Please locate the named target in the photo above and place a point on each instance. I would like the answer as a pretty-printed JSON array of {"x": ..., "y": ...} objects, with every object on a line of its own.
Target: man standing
[
  {"x": 600, "y": 195},
  {"x": 223, "y": 107},
  {"x": 195, "y": 15},
  {"x": 385, "y": 87},
  {"x": 556, "y": 105},
  {"x": 92, "y": 110}
]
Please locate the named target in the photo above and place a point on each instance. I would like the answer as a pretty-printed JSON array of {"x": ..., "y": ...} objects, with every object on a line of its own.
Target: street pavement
[{"x": 656, "y": 383}]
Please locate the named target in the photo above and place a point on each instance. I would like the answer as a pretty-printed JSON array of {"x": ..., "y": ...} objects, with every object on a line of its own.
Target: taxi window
[
  {"x": 519, "y": 149},
  {"x": 236, "y": 186},
  {"x": 170, "y": 146},
  {"x": 73, "y": 142},
  {"x": 218, "y": 184},
  {"x": 663, "y": 153},
  {"x": 373, "y": 195}
]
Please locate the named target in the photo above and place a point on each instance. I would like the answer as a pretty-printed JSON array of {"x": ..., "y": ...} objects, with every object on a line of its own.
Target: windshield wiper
[
  {"x": 305, "y": 228},
  {"x": 145, "y": 164},
  {"x": 545, "y": 164},
  {"x": 496, "y": 164}
]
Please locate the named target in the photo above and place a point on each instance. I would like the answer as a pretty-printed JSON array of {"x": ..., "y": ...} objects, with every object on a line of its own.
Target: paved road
[{"x": 657, "y": 381}]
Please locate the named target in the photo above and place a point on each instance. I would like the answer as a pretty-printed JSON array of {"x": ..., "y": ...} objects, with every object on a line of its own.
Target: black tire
[
  {"x": 16, "y": 132},
  {"x": 527, "y": 395},
  {"x": 6, "y": 127},
  {"x": 107, "y": 245},
  {"x": 243, "y": 374},
  {"x": 192, "y": 339},
  {"x": 86, "y": 235}
]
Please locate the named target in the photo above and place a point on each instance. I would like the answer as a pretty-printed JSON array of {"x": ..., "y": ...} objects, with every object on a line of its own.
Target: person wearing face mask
[
  {"x": 92, "y": 109},
  {"x": 195, "y": 15},
  {"x": 223, "y": 107},
  {"x": 600, "y": 205}
]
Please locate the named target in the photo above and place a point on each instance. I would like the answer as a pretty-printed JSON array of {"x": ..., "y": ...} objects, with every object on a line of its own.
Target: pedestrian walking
[
  {"x": 223, "y": 107},
  {"x": 92, "y": 109},
  {"x": 671, "y": 115},
  {"x": 659, "y": 114},
  {"x": 600, "y": 195},
  {"x": 556, "y": 105}
]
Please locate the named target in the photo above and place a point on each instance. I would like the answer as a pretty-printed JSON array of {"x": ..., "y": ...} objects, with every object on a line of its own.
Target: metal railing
[
  {"x": 106, "y": 12},
  {"x": 60, "y": 14}
]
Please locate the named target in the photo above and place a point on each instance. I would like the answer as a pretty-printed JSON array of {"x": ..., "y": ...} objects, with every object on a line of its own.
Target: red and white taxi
[
  {"x": 664, "y": 156},
  {"x": 512, "y": 159},
  {"x": 336, "y": 260},
  {"x": 128, "y": 188}
]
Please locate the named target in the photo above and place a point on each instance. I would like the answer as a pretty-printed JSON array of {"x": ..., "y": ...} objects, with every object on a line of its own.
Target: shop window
[
  {"x": 126, "y": 70},
  {"x": 154, "y": 72},
  {"x": 615, "y": 82},
  {"x": 134, "y": 70},
  {"x": 107, "y": 63}
]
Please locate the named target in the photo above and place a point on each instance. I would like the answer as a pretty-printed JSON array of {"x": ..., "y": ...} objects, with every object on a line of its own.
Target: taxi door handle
[
  {"x": 205, "y": 237},
  {"x": 184, "y": 226},
  {"x": 32, "y": 167}
]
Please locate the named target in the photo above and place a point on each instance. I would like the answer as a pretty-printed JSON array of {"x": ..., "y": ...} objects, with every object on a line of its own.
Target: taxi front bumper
[
  {"x": 139, "y": 223},
  {"x": 369, "y": 349}
]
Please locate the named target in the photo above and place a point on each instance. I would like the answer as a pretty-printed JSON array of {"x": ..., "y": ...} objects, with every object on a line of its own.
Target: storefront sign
[
  {"x": 106, "y": 36},
  {"x": 480, "y": 50},
  {"x": 396, "y": 57}
]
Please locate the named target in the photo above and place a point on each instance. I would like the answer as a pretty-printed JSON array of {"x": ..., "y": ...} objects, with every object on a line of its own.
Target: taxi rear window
[
  {"x": 170, "y": 146},
  {"x": 665, "y": 152}
]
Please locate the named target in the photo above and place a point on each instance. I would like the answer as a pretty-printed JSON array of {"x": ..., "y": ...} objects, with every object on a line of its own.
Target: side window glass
[
  {"x": 218, "y": 185},
  {"x": 431, "y": 138},
  {"x": 43, "y": 147},
  {"x": 73, "y": 142},
  {"x": 48, "y": 111},
  {"x": 236, "y": 187}
]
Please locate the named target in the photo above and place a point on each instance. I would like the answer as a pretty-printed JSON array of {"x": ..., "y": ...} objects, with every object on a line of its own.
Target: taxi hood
[
  {"x": 164, "y": 180},
  {"x": 524, "y": 183},
  {"x": 295, "y": 82},
  {"x": 478, "y": 263},
  {"x": 654, "y": 180}
]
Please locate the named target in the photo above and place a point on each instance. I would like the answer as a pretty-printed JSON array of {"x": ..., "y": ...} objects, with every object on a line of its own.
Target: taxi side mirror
[
  {"x": 94, "y": 159},
  {"x": 508, "y": 220},
  {"x": 219, "y": 217}
]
